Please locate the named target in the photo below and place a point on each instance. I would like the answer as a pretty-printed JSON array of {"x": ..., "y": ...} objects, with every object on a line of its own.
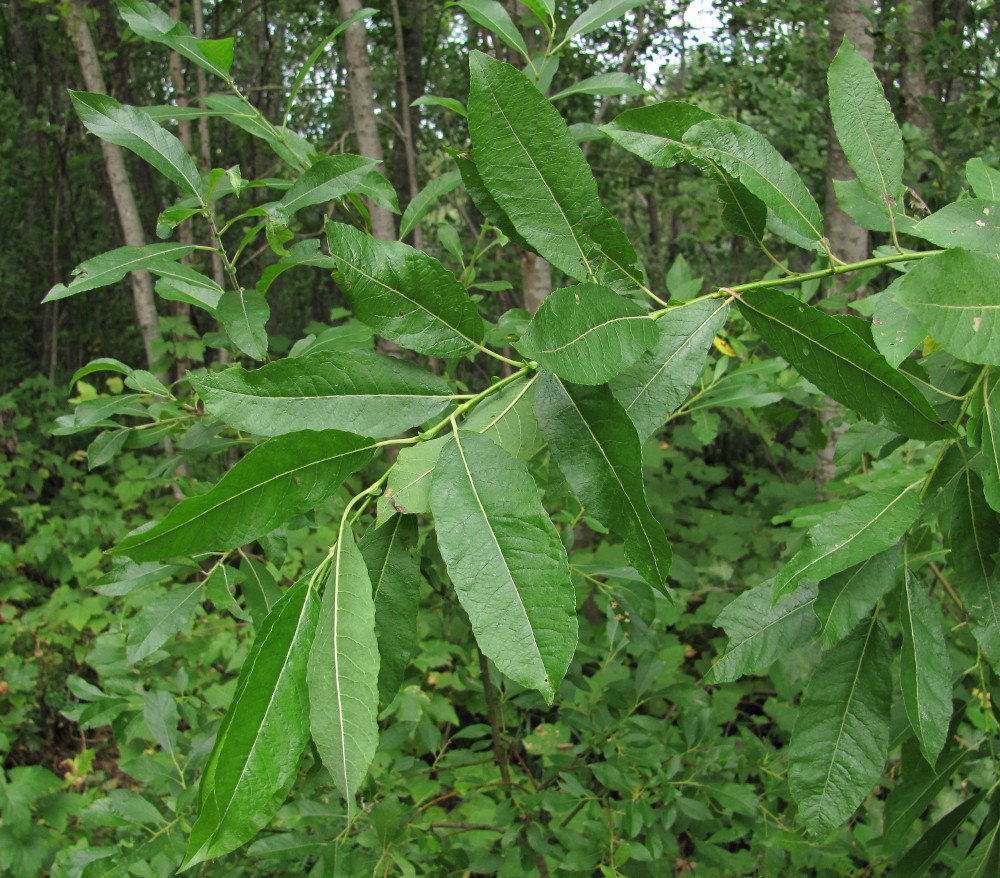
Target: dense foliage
[{"x": 513, "y": 671}]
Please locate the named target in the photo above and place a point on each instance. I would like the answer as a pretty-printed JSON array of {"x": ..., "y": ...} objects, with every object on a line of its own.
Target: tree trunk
[
  {"x": 121, "y": 188},
  {"x": 363, "y": 110},
  {"x": 408, "y": 28},
  {"x": 918, "y": 24},
  {"x": 536, "y": 280},
  {"x": 847, "y": 240}
]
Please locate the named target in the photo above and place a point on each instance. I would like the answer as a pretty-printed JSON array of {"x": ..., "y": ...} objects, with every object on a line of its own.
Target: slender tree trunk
[
  {"x": 409, "y": 43},
  {"x": 363, "y": 109},
  {"x": 918, "y": 24},
  {"x": 121, "y": 188},
  {"x": 536, "y": 280}
]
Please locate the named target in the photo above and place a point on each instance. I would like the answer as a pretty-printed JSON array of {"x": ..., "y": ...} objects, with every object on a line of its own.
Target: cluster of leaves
[{"x": 483, "y": 478}]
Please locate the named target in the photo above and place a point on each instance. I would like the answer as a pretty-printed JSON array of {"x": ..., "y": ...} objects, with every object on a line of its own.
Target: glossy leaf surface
[
  {"x": 244, "y": 315},
  {"x": 111, "y": 267}
]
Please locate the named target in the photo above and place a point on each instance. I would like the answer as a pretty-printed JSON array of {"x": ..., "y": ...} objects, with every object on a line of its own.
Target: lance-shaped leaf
[
  {"x": 599, "y": 14},
  {"x": 362, "y": 393},
  {"x": 660, "y": 381},
  {"x": 924, "y": 670},
  {"x": 597, "y": 449},
  {"x": 244, "y": 315},
  {"x": 487, "y": 205},
  {"x": 395, "y": 576},
  {"x": 983, "y": 861},
  {"x": 425, "y": 199},
  {"x": 984, "y": 430},
  {"x": 603, "y": 84},
  {"x": 263, "y": 735},
  {"x": 841, "y": 736},
  {"x": 975, "y": 535},
  {"x": 491, "y": 15},
  {"x": 331, "y": 177},
  {"x": 956, "y": 295},
  {"x": 111, "y": 267},
  {"x": 508, "y": 418},
  {"x": 531, "y": 166},
  {"x": 865, "y": 126},
  {"x": 181, "y": 283},
  {"x": 849, "y": 596},
  {"x": 840, "y": 363},
  {"x": 973, "y": 224},
  {"x": 656, "y": 133},
  {"x": 283, "y": 477},
  {"x": 409, "y": 486},
  {"x": 404, "y": 294},
  {"x": 761, "y": 631},
  {"x": 588, "y": 334},
  {"x": 344, "y": 670},
  {"x": 506, "y": 561},
  {"x": 854, "y": 532},
  {"x": 918, "y": 860},
  {"x": 750, "y": 158},
  {"x": 134, "y": 130},
  {"x": 160, "y": 620},
  {"x": 984, "y": 180},
  {"x": 259, "y": 589}
]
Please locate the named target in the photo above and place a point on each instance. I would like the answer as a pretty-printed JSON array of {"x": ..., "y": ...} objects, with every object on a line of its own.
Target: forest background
[{"x": 104, "y": 722}]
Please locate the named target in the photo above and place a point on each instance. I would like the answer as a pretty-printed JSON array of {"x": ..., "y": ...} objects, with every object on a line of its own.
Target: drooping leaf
[
  {"x": 588, "y": 334},
  {"x": 330, "y": 178},
  {"x": 491, "y": 15},
  {"x": 865, "y": 126},
  {"x": 290, "y": 147},
  {"x": 111, "y": 267},
  {"x": 956, "y": 295},
  {"x": 160, "y": 620},
  {"x": 244, "y": 315},
  {"x": 363, "y": 393},
  {"x": 506, "y": 561},
  {"x": 750, "y": 158},
  {"x": 974, "y": 537},
  {"x": 761, "y": 631},
  {"x": 841, "y": 735},
  {"x": 656, "y": 133},
  {"x": 531, "y": 166},
  {"x": 404, "y": 294},
  {"x": 425, "y": 199},
  {"x": 259, "y": 589},
  {"x": 486, "y": 203},
  {"x": 134, "y": 130},
  {"x": 283, "y": 477},
  {"x": 263, "y": 735},
  {"x": 840, "y": 363},
  {"x": 435, "y": 101},
  {"x": 597, "y": 449},
  {"x": 924, "y": 670},
  {"x": 602, "y": 84},
  {"x": 849, "y": 596},
  {"x": 984, "y": 180},
  {"x": 917, "y": 861},
  {"x": 344, "y": 670},
  {"x": 181, "y": 283},
  {"x": 661, "y": 379},
  {"x": 599, "y": 14},
  {"x": 854, "y": 532},
  {"x": 395, "y": 576},
  {"x": 973, "y": 224}
]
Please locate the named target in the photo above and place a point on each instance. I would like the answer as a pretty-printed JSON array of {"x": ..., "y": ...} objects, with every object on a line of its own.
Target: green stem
[{"x": 478, "y": 398}]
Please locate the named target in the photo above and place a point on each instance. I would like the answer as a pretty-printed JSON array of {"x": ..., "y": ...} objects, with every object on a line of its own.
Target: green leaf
[
  {"x": 344, "y": 670},
  {"x": 918, "y": 860},
  {"x": 855, "y": 531},
  {"x": 983, "y": 861},
  {"x": 924, "y": 670},
  {"x": 283, "y": 477},
  {"x": 389, "y": 553},
  {"x": 506, "y": 562},
  {"x": 363, "y": 393},
  {"x": 263, "y": 735},
  {"x": 131, "y": 128},
  {"x": 849, "y": 596},
  {"x": 602, "y": 84},
  {"x": 408, "y": 489},
  {"x": 750, "y": 158},
  {"x": 865, "y": 126},
  {"x": 152, "y": 23},
  {"x": 160, "y": 620},
  {"x": 918, "y": 788},
  {"x": 895, "y": 329},
  {"x": 244, "y": 315},
  {"x": 159, "y": 712},
  {"x": 404, "y": 294},
  {"x": 531, "y": 166},
  {"x": 656, "y": 133},
  {"x": 290, "y": 147},
  {"x": 599, "y": 14},
  {"x": 984, "y": 180},
  {"x": 435, "y": 101},
  {"x": 259, "y": 589},
  {"x": 975, "y": 535},
  {"x": 871, "y": 211},
  {"x": 984, "y": 431},
  {"x": 588, "y": 334},
  {"x": 485, "y": 202},
  {"x": 661, "y": 379},
  {"x": 508, "y": 418},
  {"x": 841, "y": 735},
  {"x": 743, "y": 213},
  {"x": 956, "y": 295},
  {"x": 973, "y": 224},
  {"x": 597, "y": 449},
  {"x": 111, "y": 267},
  {"x": 330, "y": 178},
  {"x": 105, "y": 446},
  {"x": 494, "y": 17},
  {"x": 181, "y": 283},
  {"x": 840, "y": 363},
  {"x": 425, "y": 199},
  {"x": 761, "y": 631}
]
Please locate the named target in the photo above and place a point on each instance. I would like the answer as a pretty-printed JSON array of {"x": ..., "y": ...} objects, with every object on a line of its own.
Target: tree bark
[
  {"x": 918, "y": 24},
  {"x": 143, "y": 300},
  {"x": 359, "y": 77},
  {"x": 409, "y": 43}
]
